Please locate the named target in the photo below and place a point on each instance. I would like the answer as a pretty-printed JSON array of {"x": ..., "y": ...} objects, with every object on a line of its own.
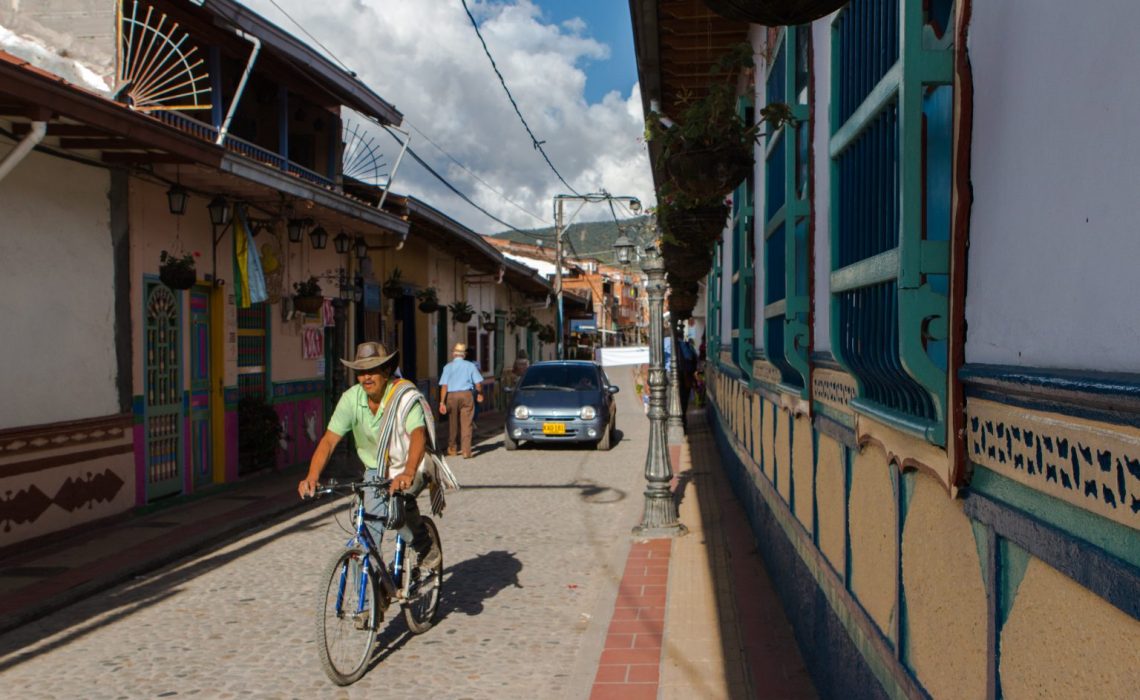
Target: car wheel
[
  {"x": 607, "y": 439},
  {"x": 509, "y": 442}
]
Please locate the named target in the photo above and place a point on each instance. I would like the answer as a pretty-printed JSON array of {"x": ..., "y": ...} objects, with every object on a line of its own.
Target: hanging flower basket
[
  {"x": 429, "y": 300},
  {"x": 308, "y": 304},
  {"x": 461, "y": 311},
  {"x": 177, "y": 271},
  {"x": 489, "y": 326},
  {"x": 686, "y": 263},
  {"x": 774, "y": 13},
  {"x": 177, "y": 277},
  {"x": 698, "y": 225},
  {"x": 708, "y": 172},
  {"x": 394, "y": 286},
  {"x": 546, "y": 334}
]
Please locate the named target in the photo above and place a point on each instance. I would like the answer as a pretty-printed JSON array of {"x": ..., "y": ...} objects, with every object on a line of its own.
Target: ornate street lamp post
[
  {"x": 660, "y": 516},
  {"x": 676, "y": 421}
]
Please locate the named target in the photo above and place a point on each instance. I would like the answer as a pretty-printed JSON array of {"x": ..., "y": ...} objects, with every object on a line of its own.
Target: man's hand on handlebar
[
  {"x": 401, "y": 483},
  {"x": 307, "y": 488}
]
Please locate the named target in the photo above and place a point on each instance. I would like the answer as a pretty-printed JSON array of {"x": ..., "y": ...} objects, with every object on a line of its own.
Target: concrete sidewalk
[
  {"x": 40, "y": 581},
  {"x": 696, "y": 616}
]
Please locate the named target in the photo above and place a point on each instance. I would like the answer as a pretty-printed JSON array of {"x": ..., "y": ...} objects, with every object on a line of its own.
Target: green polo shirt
[{"x": 352, "y": 413}]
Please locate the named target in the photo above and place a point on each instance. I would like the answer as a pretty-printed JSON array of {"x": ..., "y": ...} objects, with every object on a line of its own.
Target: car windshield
[{"x": 573, "y": 377}]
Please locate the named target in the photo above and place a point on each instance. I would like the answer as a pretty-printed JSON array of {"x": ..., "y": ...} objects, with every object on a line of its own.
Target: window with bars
[
  {"x": 787, "y": 211},
  {"x": 744, "y": 265},
  {"x": 890, "y": 148},
  {"x": 253, "y": 350}
]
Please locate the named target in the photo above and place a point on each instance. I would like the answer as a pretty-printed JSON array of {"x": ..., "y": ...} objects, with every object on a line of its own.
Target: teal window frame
[
  {"x": 787, "y": 215},
  {"x": 744, "y": 264},
  {"x": 890, "y": 152},
  {"x": 713, "y": 293}
]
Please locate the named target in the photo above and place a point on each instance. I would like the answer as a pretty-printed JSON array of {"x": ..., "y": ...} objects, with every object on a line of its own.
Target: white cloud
[{"x": 425, "y": 58}]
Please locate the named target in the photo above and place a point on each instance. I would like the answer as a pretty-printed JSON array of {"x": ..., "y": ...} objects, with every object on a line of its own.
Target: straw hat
[
  {"x": 459, "y": 349},
  {"x": 369, "y": 355}
]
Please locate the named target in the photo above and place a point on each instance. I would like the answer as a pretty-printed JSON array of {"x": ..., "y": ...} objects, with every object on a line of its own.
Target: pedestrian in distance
[
  {"x": 460, "y": 388},
  {"x": 391, "y": 429}
]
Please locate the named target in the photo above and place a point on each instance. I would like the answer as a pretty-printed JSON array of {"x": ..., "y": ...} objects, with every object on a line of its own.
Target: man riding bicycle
[{"x": 388, "y": 423}]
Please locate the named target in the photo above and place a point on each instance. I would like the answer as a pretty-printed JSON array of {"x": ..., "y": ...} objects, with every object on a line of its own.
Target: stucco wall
[
  {"x": 1054, "y": 163},
  {"x": 945, "y": 594},
  {"x": 57, "y": 284},
  {"x": 1062, "y": 641},
  {"x": 831, "y": 494},
  {"x": 803, "y": 470},
  {"x": 874, "y": 546},
  {"x": 768, "y": 438},
  {"x": 782, "y": 451}
]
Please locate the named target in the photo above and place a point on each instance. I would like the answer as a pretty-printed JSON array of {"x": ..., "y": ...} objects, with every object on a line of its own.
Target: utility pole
[{"x": 560, "y": 351}]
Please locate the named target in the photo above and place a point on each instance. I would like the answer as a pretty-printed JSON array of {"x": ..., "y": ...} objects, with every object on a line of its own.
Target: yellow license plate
[{"x": 554, "y": 428}]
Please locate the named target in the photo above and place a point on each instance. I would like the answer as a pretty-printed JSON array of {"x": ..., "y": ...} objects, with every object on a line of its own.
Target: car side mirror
[{"x": 614, "y": 388}]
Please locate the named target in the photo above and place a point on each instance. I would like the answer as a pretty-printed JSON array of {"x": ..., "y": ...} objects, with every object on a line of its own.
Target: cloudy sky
[{"x": 569, "y": 66}]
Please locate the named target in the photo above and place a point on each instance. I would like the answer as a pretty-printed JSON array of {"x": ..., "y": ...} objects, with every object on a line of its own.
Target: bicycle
[{"x": 361, "y": 587}]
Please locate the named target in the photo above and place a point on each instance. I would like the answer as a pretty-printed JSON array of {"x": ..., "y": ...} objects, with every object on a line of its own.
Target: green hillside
[{"x": 594, "y": 239}]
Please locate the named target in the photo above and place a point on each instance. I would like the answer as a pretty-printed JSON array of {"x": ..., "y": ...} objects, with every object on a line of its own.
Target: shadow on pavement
[
  {"x": 471, "y": 582},
  {"x": 589, "y": 490},
  {"x": 84, "y": 617}
]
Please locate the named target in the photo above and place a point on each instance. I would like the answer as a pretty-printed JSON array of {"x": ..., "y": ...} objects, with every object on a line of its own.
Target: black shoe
[{"x": 429, "y": 559}]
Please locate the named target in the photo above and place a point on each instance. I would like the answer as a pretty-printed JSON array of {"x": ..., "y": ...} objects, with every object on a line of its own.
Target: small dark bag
[{"x": 396, "y": 512}]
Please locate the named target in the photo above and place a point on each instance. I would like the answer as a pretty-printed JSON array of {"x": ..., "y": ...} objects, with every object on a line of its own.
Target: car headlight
[
  {"x": 522, "y": 412},
  {"x": 588, "y": 413}
]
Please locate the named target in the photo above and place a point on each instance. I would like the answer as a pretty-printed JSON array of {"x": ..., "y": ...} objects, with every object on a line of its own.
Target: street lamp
[
  {"x": 676, "y": 420},
  {"x": 634, "y": 205},
  {"x": 660, "y": 516}
]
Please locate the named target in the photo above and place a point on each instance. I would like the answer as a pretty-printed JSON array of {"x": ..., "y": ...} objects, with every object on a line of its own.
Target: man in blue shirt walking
[{"x": 460, "y": 387}]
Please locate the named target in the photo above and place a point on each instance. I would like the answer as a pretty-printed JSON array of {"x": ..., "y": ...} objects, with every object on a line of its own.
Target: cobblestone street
[{"x": 534, "y": 546}]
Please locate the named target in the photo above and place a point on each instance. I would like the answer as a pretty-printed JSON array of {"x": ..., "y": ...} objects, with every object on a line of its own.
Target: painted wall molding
[
  {"x": 69, "y": 434},
  {"x": 1090, "y": 464},
  {"x": 904, "y": 450},
  {"x": 834, "y": 388}
]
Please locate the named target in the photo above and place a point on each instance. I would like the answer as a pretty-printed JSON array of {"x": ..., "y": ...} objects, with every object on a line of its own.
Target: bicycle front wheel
[
  {"x": 347, "y": 618},
  {"x": 426, "y": 587}
]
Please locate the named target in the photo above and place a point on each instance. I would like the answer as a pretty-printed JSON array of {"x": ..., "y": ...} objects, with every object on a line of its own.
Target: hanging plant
[
  {"x": 682, "y": 298},
  {"x": 177, "y": 271},
  {"x": 487, "y": 321},
  {"x": 774, "y": 13},
  {"x": 700, "y": 223},
  {"x": 546, "y": 334},
  {"x": 307, "y": 296},
  {"x": 461, "y": 311},
  {"x": 520, "y": 318},
  {"x": 429, "y": 300},
  {"x": 686, "y": 263},
  {"x": 394, "y": 285},
  {"x": 534, "y": 325},
  {"x": 708, "y": 151}
]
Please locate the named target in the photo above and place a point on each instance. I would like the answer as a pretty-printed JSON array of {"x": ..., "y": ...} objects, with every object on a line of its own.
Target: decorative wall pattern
[
  {"x": 1095, "y": 466},
  {"x": 766, "y": 372},
  {"x": 832, "y": 388},
  {"x": 27, "y": 505},
  {"x": 19, "y": 441}
]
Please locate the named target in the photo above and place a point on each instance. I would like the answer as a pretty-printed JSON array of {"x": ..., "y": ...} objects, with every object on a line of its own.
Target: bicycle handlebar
[{"x": 332, "y": 486}]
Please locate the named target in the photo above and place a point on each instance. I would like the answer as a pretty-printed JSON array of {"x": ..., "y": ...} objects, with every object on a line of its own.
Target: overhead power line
[{"x": 533, "y": 139}]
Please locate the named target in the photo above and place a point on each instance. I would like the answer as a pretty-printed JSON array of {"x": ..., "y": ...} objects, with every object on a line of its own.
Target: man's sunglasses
[{"x": 370, "y": 370}]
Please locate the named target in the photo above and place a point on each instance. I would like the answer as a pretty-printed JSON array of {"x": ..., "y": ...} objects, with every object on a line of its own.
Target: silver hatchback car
[{"x": 562, "y": 401}]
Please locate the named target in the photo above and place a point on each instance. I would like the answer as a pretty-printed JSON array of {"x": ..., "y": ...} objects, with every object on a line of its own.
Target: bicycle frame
[{"x": 363, "y": 539}]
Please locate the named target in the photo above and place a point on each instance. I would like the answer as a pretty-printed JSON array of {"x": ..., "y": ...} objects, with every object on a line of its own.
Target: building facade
[{"x": 923, "y": 381}]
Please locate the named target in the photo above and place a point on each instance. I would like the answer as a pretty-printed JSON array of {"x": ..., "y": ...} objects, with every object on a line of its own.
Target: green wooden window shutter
[
  {"x": 743, "y": 265},
  {"x": 787, "y": 214},
  {"x": 891, "y": 128}
]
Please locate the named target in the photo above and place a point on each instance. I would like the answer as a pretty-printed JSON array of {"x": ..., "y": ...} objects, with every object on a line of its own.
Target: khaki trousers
[{"x": 460, "y": 412}]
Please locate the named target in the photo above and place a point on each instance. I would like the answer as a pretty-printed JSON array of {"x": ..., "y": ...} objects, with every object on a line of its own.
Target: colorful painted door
[
  {"x": 253, "y": 351},
  {"x": 200, "y": 440},
  {"x": 162, "y": 406}
]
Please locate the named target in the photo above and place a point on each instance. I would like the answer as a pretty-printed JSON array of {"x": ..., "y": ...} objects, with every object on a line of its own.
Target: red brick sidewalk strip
[{"x": 631, "y": 661}]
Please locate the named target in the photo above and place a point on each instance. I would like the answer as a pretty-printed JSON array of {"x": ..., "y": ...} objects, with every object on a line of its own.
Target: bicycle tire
[
  {"x": 353, "y": 631},
  {"x": 426, "y": 587}
]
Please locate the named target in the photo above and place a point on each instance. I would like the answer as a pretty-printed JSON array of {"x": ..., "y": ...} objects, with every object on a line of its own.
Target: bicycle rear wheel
[
  {"x": 346, "y": 618},
  {"x": 426, "y": 587}
]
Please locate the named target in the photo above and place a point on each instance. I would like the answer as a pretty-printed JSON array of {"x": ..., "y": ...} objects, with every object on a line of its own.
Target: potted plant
[
  {"x": 429, "y": 300},
  {"x": 259, "y": 435},
  {"x": 307, "y": 296},
  {"x": 461, "y": 311},
  {"x": 698, "y": 223},
  {"x": 520, "y": 318},
  {"x": 708, "y": 151},
  {"x": 177, "y": 271},
  {"x": 774, "y": 13},
  {"x": 546, "y": 334},
  {"x": 488, "y": 321},
  {"x": 394, "y": 285},
  {"x": 686, "y": 262}
]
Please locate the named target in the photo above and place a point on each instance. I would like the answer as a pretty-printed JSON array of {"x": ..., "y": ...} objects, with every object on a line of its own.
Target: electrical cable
[
  {"x": 534, "y": 139},
  {"x": 415, "y": 156}
]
